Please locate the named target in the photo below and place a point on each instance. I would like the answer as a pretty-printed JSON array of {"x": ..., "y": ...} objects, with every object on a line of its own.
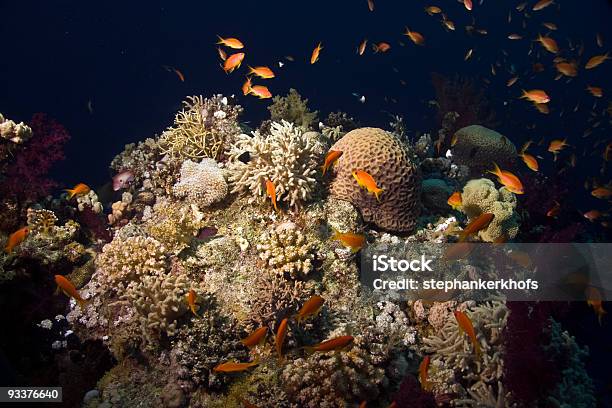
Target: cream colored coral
[
  {"x": 14, "y": 132},
  {"x": 480, "y": 196},
  {"x": 286, "y": 251},
  {"x": 89, "y": 200},
  {"x": 119, "y": 208},
  {"x": 202, "y": 183},
  {"x": 174, "y": 223},
  {"x": 288, "y": 157}
]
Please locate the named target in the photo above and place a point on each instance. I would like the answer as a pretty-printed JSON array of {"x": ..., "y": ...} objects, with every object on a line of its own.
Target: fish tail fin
[
  {"x": 220, "y": 39},
  {"x": 377, "y": 194},
  {"x": 324, "y": 169},
  {"x": 496, "y": 170},
  {"x": 477, "y": 348},
  {"x": 70, "y": 192}
]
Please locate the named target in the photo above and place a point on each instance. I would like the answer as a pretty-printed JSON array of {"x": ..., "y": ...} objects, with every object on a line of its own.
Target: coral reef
[
  {"x": 480, "y": 196},
  {"x": 478, "y": 148},
  {"x": 139, "y": 159},
  {"x": 202, "y": 129},
  {"x": 391, "y": 165},
  {"x": 287, "y": 157},
  {"x": 11, "y": 136},
  {"x": 172, "y": 223},
  {"x": 203, "y": 183},
  {"x": 292, "y": 108},
  {"x": 89, "y": 200},
  {"x": 434, "y": 194}
]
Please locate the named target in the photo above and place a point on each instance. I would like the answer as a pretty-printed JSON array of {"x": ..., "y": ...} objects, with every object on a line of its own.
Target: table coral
[
  {"x": 286, "y": 157},
  {"x": 478, "y": 148},
  {"x": 391, "y": 165},
  {"x": 202, "y": 183},
  {"x": 292, "y": 108},
  {"x": 202, "y": 128},
  {"x": 480, "y": 196}
]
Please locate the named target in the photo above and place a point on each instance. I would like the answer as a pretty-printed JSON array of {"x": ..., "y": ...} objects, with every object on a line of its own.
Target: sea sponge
[
  {"x": 386, "y": 159},
  {"x": 202, "y": 128},
  {"x": 202, "y": 183},
  {"x": 288, "y": 157},
  {"x": 478, "y": 148},
  {"x": 292, "y": 108},
  {"x": 480, "y": 196}
]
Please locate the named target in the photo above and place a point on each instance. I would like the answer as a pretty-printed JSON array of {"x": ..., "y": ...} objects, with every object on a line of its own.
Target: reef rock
[
  {"x": 435, "y": 193},
  {"x": 387, "y": 160},
  {"x": 478, "y": 147}
]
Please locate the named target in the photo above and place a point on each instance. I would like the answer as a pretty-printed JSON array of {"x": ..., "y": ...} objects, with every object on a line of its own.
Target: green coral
[{"x": 292, "y": 108}]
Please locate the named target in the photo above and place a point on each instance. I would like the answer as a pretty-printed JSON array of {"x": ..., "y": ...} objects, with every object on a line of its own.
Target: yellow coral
[
  {"x": 174, "y": 224},
  {"x": 41, "y": 221}
]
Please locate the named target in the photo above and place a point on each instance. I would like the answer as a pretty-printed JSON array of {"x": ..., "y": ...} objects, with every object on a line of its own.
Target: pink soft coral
[{"x": 26, "y": 177}]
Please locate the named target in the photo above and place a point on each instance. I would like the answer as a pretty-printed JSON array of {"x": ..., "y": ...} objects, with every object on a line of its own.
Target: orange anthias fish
[
  {"x": 480, "y": 223},
  {"x": 78, "y": 190},
  {"x": 468, "y": 5},
  {"x": 362, "y": 47},
  {"x": 192, "y": 302},
  {"x": 262, "y": 92},
  {"x": 256, "y": 338},
  {"x": 597, "y": 60},
  {"x": 233, "y": 62},
  {"x": 592, "y": 215},
  {"x": 595, "y": 91},
  {"x": 431, "y": 10},
  {"x": 423, "y": 368},
  {"x": 554, "y": 211},
  {"x": 530, "y": 161},
  {"x": 371, "y": 5},
  {"x": 310, "y": 308},
  {"x": 557, "y": 145},
  {"x": 330, "y": 159},
  {"x": 336, "y": 343},
  {"x": 271, "y": 192},
  {"x": 350, "y": 240},
  {"x": 231, "y": 43},
  {"x": 512, "y": 81},
  {"x": 541, "y": 4},
  {"x": 515, "y": 37},
  {"x": 15, "y": 239},
  {"x": 315, "y": 54},
  {"x": 465, "y": 325},
  {"x": 222, "y": 54},
  {"x": 246, "y": 87},
  {"x": 509, "y": 180},
  {"x": 68, "y": 288},
  {"x": 365, "y": 180},
  {"x": 601, "y": 192},
  {"x": 415, "y": 37},
  {"x": 262, "y": 72},
  {"x": 281, "y": 333},
  {"x": 381, "y": 47},
  {"x": 234, "y": 367},
  {"x": 594, "y": 299},
  {"x": 569, "y": 69},
  {"x": 455, "y": 200},
  {"x": 548, "y": 43},
  {"x": 536, "y": 96},
  {"x": 550, "y": 26}
]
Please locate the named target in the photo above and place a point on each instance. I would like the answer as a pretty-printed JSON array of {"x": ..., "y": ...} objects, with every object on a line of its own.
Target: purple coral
[{"x": 26, "y": 177}]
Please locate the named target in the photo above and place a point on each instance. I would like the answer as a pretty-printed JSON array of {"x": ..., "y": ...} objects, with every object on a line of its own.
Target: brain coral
[
  {"x": 480, "y": 196},
  {"x": 478, "y": 147},
  {"x": 203, "y": 183},
  {"x": 384, "y": 158}
]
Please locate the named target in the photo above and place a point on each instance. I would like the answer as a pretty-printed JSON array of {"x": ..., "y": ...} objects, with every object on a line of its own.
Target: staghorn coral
[
  {"x": 202, "y": 183},
  {"x": 286, "y": 251},
  {"x": 478, "y": 148},
  {"x": 174, "y": 224},
  {"x": 126, "y": 260},
  {"x": 202, "y": 128},
  {"x": 292, "y": 108},
  {"x": 288, "y": 157},
  {"x": 387, "y": 160},
  {"x": 480, "y": 196}
]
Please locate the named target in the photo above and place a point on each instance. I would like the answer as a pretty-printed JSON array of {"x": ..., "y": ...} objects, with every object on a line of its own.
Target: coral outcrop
[
  {"x": 390, "y": 164},
  {"x": 293, "y": 109},
  {"x": 479, "y": 147},
  {"x": 202, "y": 183}
]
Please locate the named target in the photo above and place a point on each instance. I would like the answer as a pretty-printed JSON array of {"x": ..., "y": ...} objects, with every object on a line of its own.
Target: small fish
[
  {"x": 233, "y": 62},
  {"x": 231, "y": 43},
  {"x": 554, "y": 211},
  {"x": 511, "y": 81},
  {"x": 366, "y": 181},
  {"x": 536, "y": 96},
  {"x": 310, "y": 308},
  {"x": 423, "y": 368},
  {"x": 594, "y": 299},
  {"x": 548, "y": 43},
  {"x": 595, "y": 91},
  {"x": 381, "y": 47},
  {"x": 455, "y": 200},
  {"x": 542, "y": 108},
  {"x": 234, "y": 366},
  {"x": 179, "y": 74},
  {"x": 281, "y": 333},
  {"x": 468, "y": 55},
  {"x": 271, "y": 192},
  {"x": 569, "y": 69},
  {"x": 123, "y": 180},
  {"x": 550, "y": 26},
  {"x": 90, "y": 107},
  {"x": 256, "y": 338},
  {"x": 541, "y": 4},
  {"x": 246, "y": 87},
  {"x": 458, "y": 251},
  {"x": 599, "y": 40},
  {"x": 530, "y": 161},
  {"x": 521, "y": 6},
  {"x": 465, "y": 325},
  {"x": 78, "y": 190},
  {"x": 449, "y": 24},
  {"x": 415, "y": 37},
  {"x": 555, "y": 146},
  {"x": 597, "y": 60},
  {"x": 262, "y": 72},
  {"x": 334, "y": 344},
  {"x": 222, "y": 53},
  {"x": 371, "y": 5},
  {"x": 362, "y": 47},
  {"x": 330, "y": 159},
  {"x": 478, "y": 224},
  {"x": 16, "y": 238},
  {"x": 69, "y": 290},
  {"x": 262, "y": 92},
  {"x": 431, "y": 10},
  {"x": 468, "y": 5},
  {"x": 350, "y": 239},
  {"x": 192, "y": 302},
  {"x": 509, "y": 180},
  {"x": 602, "y": 193},
  {"x": 315, "y": 54},
  {"x": 592, "y": 215}
]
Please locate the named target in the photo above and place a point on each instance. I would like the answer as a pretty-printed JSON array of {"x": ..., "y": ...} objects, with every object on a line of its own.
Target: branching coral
[
  {"x": 202, "y": 128},
  {"x": 292, "y": 108},
  {"x": 202, "y": 183},
  {"x": 480, "y": 196},
  {"x": 287, "y": 157}
]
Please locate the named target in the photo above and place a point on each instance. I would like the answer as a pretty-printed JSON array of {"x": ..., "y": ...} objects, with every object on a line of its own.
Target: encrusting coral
[
  {"x": 202, "y": 183},
  {"x": 478, "y": 148},
  {"x": 292, "y": 108},
  {"x": 480, "y": 196},
  {"x": 287, "y": 156},
  {"x": 202, "y": 128},
  {"x": 386, "y": 159},
  {"x": 173, "y": 223}
]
